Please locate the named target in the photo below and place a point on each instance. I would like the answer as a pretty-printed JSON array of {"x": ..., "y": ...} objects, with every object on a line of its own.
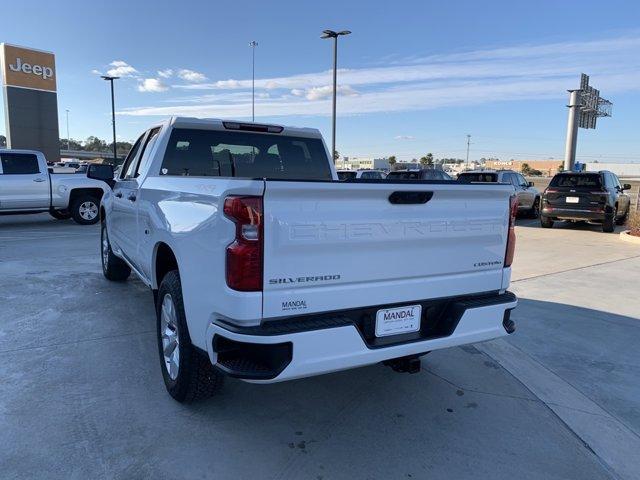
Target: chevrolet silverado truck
[
  {"x": 27, "y": 186},
  {"x": 265, "y": 267}
]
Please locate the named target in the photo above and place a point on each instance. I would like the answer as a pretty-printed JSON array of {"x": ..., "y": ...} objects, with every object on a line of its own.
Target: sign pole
[{"x": 572, "y": 131}]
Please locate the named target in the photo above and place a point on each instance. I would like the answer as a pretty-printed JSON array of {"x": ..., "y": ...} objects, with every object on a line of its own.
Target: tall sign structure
[
  {"x": 30, "y": 99},
  {"x": 585, "y": 106}
]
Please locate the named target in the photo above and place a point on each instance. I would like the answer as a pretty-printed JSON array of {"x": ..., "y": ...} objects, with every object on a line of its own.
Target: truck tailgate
[{"x": 330, "y": 245}]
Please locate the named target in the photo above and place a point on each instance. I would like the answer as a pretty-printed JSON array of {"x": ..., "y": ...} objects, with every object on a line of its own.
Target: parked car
[
  {"x": 261, "y": 261},
  {"x": 344, "y": 175},
  {"x": 596, "y": 197},
  {"x": 424, "y": 174},
  {"x": 528, "y": 195},
  {"x": 27, "y": 185}
]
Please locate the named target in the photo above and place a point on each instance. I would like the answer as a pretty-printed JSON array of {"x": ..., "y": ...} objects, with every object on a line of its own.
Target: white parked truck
[
  {"x": 265, "y": 267},
  {"x": 28, "y": 186}
]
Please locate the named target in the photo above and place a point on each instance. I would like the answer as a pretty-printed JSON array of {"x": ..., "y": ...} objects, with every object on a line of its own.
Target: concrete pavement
[{"x": 83, "y": 396}]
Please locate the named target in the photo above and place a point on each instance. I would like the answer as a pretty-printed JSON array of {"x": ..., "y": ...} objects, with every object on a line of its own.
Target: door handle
[
  {"x": 119, "y": 194},
  {"x": 39, "y": 179},
  {"x": 132, "y": 197}
]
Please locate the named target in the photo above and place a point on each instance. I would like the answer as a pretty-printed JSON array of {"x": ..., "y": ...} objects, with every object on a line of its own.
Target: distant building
[
  {"x": 547, "y": 167},
  {"x": 362, "y": 163}
]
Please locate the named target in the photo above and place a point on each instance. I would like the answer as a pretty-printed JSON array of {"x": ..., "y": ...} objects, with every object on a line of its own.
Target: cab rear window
[
  {"x": 477, "y": 177},
  {"x": 342, "y": 176},
  {"x": 576, "y": 180},
  {"x": 219, "y": 153}
]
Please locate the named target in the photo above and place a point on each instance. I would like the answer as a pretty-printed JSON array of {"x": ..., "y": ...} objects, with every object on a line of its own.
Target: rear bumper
[
  {"x": 573, "y": 214},
  {"x": 306, "y": 346}
]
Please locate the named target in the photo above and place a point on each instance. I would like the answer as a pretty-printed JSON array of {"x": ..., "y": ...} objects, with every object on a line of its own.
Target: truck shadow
[{"x": 361, "y": 420}]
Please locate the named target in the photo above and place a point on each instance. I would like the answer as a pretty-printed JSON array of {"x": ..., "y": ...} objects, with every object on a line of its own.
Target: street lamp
[
  {"x": 334, "y": 35},
  {"x": 68, "y": 137},
  {"x": 253, "y": 44},
  {"x": 110, "y": 79}
]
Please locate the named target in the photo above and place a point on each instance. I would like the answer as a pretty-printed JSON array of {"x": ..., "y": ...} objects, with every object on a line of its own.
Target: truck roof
[
  {"x": 17, "y": 150},
  {"x": 217, "y": 124}
]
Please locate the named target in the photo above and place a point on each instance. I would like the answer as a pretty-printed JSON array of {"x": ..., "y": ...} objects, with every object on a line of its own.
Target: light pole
[
  {"x": 253, "y": 46},
  {"x": 68, "y": 129},
  {"x": 468, "y": 143},
  {"x": 110, "y": 79},
  {"x": 334, "y": 35}
]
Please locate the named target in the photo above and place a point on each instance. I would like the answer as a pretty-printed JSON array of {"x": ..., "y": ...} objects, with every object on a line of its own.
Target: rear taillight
[
  {"x": 244, "y": 255},
  {"x": 511, "y": 236}
]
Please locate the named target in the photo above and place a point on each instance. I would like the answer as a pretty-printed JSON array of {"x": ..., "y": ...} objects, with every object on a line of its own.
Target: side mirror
[
  {"x": 102, "y": 172},
  {"x": 626, "y": 186},
  {"x": 530, "y": 184}
]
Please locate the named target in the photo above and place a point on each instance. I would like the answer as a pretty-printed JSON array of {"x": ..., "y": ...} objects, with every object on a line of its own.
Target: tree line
[
  {"x": 91, "y": 144},
  {"x": 426, "y": 160},
  {"x": 94, "y": 144}
]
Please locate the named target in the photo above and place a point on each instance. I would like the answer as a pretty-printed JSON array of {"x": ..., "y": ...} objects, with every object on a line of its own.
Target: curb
[
  {"x": 627, "y": 237},
  {"x": 613, "y": 443}
]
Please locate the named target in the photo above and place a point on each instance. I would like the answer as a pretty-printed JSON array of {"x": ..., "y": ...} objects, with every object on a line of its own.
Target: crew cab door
[
  {"x": 127, "y": 202},
  {"x": 24, "y": 184},
  {"x": 122, "y": 224}
]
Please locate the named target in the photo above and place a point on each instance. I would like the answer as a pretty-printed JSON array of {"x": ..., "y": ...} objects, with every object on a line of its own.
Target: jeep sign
[{"x": 28, "y": 68}]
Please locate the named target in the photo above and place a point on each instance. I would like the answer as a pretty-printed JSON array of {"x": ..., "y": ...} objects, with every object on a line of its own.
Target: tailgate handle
[{"x": 410, "y": 198}]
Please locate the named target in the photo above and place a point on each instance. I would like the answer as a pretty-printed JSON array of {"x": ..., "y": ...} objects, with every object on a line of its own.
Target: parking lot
[{"x": 83, "y": 395}]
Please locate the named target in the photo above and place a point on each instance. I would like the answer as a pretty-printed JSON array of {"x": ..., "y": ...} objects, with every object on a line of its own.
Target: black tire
[
  {"x": 546, "y": 222},
  {"x": 535, "y": 210},
  {"x": 195, "y": 378},
  {"x": 622, "y": 220},
  {"x": 81, "y": 206},
  {"x": 609, "y": 223},
  {"x": 60, "y": 214},
  {"x": 113, "y": 268}
]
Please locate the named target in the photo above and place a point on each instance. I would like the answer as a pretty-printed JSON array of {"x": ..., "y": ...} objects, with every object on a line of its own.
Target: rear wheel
[
  {"x": 535, "y": 209},
  {"x": 609, "y": 223},
  {"x": 622, "y": 220},
  {"x": 187, "y": 372},
  {"x": 113, "y": 268},
  {"x": 545, "y": 222},
  {"x": 85, "y": 210},
  {"x": 60, "y": 214}
]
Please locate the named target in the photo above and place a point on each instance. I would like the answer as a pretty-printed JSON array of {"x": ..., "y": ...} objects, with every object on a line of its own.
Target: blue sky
[{"x": 415, "y": 76}]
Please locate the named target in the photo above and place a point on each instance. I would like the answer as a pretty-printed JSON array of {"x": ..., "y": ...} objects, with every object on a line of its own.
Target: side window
[
  {"x": 127, "y": 166},
  {"x": 513, "y": 179},
  {"x": 522, "y": 180},
  {"x": 19, "y": 164},
  {"x": 616, "y": 181},
  {"x": 146, "y": 150},
  {"x": 607, "y": 180}
]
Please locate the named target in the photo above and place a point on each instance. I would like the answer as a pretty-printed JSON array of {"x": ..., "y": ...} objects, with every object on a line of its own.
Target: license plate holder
[
  {"x": 572, "y": 199},
  {"x": 398, "y": 320}
]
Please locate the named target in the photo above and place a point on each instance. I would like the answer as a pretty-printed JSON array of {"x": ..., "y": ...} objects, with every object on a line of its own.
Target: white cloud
[
  {"x": 326, "y": 91},
  {"x": 529, "y": 72},
  {"x": 97, "y": 72},
  {"x": 404, "y": 137},
  {"x": 121, "y": 69},
  {"x": 191, "y": 76},
  {"x": 152, "y": 85},
  {"x": 166, "y": 73}
]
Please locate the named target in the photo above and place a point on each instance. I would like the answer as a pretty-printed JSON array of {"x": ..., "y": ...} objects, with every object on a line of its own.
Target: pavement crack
[{"x": 481, "y": 392}]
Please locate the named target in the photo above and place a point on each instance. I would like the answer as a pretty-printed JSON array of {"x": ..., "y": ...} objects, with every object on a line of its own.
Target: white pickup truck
[
  {"x": 265, "y": 267},
  {"x": 28, "y": 186}
]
